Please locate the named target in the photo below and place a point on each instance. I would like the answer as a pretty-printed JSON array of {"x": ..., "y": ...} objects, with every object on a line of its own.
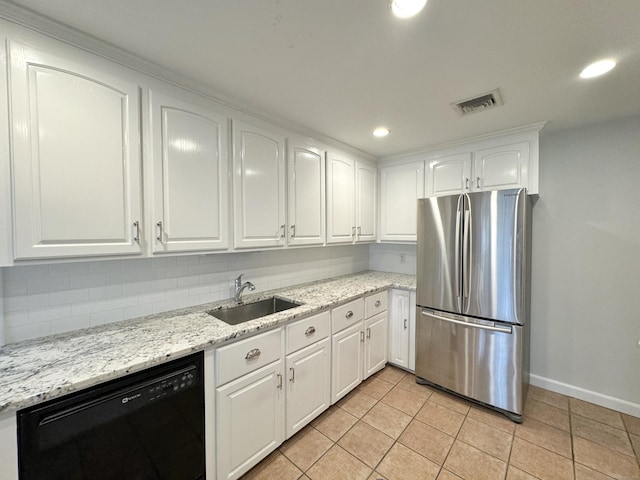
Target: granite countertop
[{"x": 37, "y": 370}]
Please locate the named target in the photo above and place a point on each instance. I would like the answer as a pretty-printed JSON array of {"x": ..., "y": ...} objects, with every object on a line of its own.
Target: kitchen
[{"x": 585, "y": 247}]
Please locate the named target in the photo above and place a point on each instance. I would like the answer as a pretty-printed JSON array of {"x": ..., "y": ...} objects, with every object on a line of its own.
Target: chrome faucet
[{"x": 239, "y": 288}]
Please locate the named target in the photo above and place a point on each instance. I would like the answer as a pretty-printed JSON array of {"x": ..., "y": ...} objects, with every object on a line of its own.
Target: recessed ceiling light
[
  {"x": 381, "y": 132},
  {"x": 598, "y": 68},
  {"x": 407, "y": 8}
]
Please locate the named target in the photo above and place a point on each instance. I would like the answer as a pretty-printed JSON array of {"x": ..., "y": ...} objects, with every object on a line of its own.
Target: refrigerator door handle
[
  {"x": 466, "y": 324},
  {"x": 457, "y": 251},
  {"x": 466, "y": 240}
]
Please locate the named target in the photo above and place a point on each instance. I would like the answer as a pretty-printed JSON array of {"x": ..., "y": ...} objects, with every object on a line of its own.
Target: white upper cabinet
[
  {"x": 351, "y": 199},
  {"x": 496, "y": 163},
  {"x": 366, "y": 179},
  {"x": 259, "y": 187},
  {"x": 306, "y": 188},
  {"x": 448, "y": 174},
  {"x": 76, "y": 154},
  {"x": 189, "y": 176},
  {"x": 501, "y": 167},
  {"x": 341, "y": 193},
  {"x": 400, "y": 187}
]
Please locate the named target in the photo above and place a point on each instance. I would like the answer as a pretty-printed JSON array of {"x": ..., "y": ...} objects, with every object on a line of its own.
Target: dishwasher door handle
[{"x": 467, "y": 324}]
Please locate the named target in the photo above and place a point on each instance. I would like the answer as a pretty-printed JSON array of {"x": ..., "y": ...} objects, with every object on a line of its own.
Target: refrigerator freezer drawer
[{"x": 482, "y": 362}]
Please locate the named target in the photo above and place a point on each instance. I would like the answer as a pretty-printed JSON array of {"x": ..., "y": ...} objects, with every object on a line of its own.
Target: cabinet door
[
  {"x": 341, "y": 222},
  {"x": 250, "y": 420},
  {"x": 449, "y": 175},
  {"x": 259, "y": 187},
  {"x": 346, "y": 369},
  {"x": 501, "y": 167},
  {"x": 308, "y": 384},
  {"x": 375, "y": 349},
  {"x": 306, "y": 208},
  {"x": 366, "y": 177},
  {"x": 400, "y": 187},
  {"x": 399, "y": 328},
  {"x": 189, "y": 176},
  {"x": 76, "y": 154}
]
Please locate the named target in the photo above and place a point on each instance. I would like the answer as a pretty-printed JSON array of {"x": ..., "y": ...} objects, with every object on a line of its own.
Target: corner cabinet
[
  {"x": 188, "y": 170},
  {"x": 306, "y": 194},
  {"x": 351, "y": 199},
  {"x": 400, "y": 188},
  {"x": 258, "y": 187},
  {"x": 75, "y": 123}
]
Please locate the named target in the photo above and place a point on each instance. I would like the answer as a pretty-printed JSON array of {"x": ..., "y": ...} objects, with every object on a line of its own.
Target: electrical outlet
[{"x": 403, "y": 258}]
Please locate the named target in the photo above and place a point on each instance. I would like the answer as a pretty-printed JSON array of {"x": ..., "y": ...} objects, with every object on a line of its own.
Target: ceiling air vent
[{"x": 478, "y": 104}]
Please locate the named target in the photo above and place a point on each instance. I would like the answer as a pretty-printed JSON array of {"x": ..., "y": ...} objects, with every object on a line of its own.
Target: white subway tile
[
  {"x": 88, "y": 280},
  {"x": 15, "y": 319},
  {"x": 46, "y": 314},
  {"x": 111, "y": 291},
  {"x": 75, "y": 295},
  {"x": 165, "y": 306},
  {"x": 68, "y": 324},
  {"x": 24, "y": 302},
  {"x": 91, "y": 306},
  {"x": 122, "y": 302},
  {"x": 138, "y": 311},
  {"x": 108, "y": 316},
  {"x": 25, "y": 332}
]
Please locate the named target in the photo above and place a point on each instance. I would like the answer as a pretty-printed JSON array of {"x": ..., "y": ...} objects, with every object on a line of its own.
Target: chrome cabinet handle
[
  {"x": 292, "y": 377},
  {"x": 368, "y": 333},
  {"x": 293, "y": 231},
  {"x": 353, "y": 231},
  {"x": 310, "y": 331},
  {"x": 359, "y": 231},
  {"x": 466, "y": 183},
  {"x": 378, "y": 303},
  {"x": 405, "y": 323},
  {"x": 349, "y": 314},
  {"x": 282, "y": 231},
  {"x": 477, "y": 182},
  {"x": 362, "y": 337},
  {"x": 279, "y": 381},
  {"x": 136, "y": 231},
  {"x": 159, "y": 237},
  {"x": 251, "y": 354}
]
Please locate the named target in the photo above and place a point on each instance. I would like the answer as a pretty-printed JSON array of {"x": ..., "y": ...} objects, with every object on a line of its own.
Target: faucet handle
[{"x": 239, "y": 279}]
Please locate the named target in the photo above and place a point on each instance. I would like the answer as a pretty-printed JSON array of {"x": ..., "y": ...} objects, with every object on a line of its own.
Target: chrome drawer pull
[
  {"x": 405, "y": 323},
  {"x": 310, "y": 331},
  {"x": 349, "y": 314},
  {"x": 368, "y": 333},
  {"x": 279, "y": 386},
  {"x": 292, "y": 378},
  {"x": 378, "y": 303},
  {"x": 251, "y": 354}
]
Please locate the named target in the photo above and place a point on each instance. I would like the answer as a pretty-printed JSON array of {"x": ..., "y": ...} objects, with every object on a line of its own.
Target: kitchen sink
[{"x": 249, "y": 311}]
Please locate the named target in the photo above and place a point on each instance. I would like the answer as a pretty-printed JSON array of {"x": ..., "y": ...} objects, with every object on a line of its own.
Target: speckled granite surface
[{"x": 37, "y": 370}]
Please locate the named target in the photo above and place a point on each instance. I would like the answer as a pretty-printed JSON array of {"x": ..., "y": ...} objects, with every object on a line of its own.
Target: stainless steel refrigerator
[{"x": 473, "y": 296}]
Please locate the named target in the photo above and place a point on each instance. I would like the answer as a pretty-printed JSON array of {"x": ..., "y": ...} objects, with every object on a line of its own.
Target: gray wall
[{"x": 586, "y": 260}]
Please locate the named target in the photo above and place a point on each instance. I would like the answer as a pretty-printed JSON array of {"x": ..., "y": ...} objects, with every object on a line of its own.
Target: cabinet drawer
[
  {"x": 307, "y": 331},
  {"x": 347, "y": 314},
  {"x": 248, "y": 355},
  {"x": 374, "y": 304}
]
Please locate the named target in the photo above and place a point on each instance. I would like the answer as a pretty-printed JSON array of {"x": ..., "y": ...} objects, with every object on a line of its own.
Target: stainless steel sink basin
[{"x": 249, "y": 311}]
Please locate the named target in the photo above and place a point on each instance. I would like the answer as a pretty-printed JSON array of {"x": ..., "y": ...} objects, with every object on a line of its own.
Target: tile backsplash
[
  {"x": 41, "y": 300},
  {"x": 386, "y": 257}
]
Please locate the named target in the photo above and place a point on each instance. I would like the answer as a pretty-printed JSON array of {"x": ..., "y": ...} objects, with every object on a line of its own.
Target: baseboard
[{"x": 613, "y": 403}]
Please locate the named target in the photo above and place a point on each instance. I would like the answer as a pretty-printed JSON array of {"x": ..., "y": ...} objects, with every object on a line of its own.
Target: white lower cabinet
[
  {"x": 359, "y": 344},
  {"x": 308, "y": 385},
  {"x": 250, "y": 407},
  {"x": 308, "y": 370},
  {"x": 375, "y": 345},
  {"x": 346, "y": 371},
  {"x": 402, "y": 321}
]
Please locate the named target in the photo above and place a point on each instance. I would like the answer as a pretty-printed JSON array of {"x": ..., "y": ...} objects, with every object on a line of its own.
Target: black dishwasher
[{"x": 145, "y": 426}]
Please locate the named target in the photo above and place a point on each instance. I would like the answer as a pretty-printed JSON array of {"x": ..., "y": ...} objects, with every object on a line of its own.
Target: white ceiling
[{"x": 342, "y": 67}]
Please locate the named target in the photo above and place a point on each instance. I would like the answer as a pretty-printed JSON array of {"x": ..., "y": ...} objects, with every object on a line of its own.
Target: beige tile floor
[{"x": 394, "y": 429}]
